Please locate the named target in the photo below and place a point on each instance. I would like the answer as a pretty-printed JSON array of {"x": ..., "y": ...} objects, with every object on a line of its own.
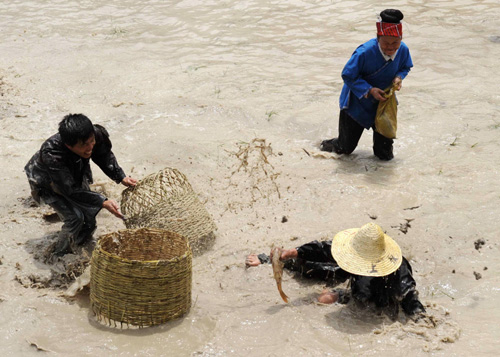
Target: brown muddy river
[{"x": 187, "y": 84}]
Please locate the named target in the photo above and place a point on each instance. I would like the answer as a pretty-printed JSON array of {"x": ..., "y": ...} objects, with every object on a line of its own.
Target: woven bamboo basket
[
  {"x": 166, "y": 200},
  {"x": 140, "y": 277}
]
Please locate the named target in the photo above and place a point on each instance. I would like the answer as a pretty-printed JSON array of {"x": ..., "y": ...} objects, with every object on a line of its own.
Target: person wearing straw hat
[
  {"x": 379, "y": 274},
  {"x": 372, "y": 67},
  {"x": 59, "y": 175}
]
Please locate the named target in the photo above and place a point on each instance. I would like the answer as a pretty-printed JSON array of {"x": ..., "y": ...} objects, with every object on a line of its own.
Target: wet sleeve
[
  {"x": 407, "y": 290},
  {"x": 351, "y": 74},
  {"x": 264, "y": 258},
  {"x": 314, "y": 261},
  {"x": 63, "y": 183},
  {"x": 290, "y": 264},
  {"x": 104, "y": 157},
  {"x": 361, "y": 289},
  {"x": 411, "y": 304},
  {"x": 316, "y": 251},
  {"x": 406, "y": 63}
]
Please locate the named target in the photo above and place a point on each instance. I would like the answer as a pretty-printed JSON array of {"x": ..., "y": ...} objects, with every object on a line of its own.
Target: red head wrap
[{"x": 389, "y": 29}]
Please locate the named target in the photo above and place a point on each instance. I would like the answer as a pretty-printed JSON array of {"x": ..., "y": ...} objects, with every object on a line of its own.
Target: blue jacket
[{"x": 365, "y": 69}]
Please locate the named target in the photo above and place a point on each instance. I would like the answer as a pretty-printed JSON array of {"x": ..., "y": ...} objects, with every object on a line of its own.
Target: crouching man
[{"x": 59, "y": 175}]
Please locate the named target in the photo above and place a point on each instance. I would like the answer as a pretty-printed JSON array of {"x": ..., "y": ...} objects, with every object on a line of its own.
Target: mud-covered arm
[
  {"x": 104, "y": 157},
  {"x": 317, "y": 261},
  {"x": 316, "y": 251},
  {"x": 360, "y": 289},
  {"x": 408, "y": 291},
  {"x": 264, "y": 258}
]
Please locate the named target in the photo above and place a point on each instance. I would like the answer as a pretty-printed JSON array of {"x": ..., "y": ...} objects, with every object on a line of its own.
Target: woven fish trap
[
  {"x": 140, "y": 277},
  {"x": 166, "y": 200}
]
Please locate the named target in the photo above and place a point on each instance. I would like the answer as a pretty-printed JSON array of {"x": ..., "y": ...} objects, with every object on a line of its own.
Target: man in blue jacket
[{"x": 374, "y": 66}]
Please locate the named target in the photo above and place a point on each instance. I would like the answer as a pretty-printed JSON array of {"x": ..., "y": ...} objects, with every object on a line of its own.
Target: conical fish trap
[
  {"x": 140, "y": 277},
  {"x": 166, "y": 200}
]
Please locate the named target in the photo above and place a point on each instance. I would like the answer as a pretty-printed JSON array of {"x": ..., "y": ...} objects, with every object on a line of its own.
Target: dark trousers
[
  {"x": 350, "y": 133},
  {"x": 78, "y": 225}
]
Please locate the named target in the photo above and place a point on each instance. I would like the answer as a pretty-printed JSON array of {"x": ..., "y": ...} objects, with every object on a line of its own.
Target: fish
[{"x": 278, "y": 266}]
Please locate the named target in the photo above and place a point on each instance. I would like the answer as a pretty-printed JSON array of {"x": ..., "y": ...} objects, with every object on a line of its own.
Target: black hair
[
  {"x": 391, "y": 16},
  {"x": 74, "y": 128}
]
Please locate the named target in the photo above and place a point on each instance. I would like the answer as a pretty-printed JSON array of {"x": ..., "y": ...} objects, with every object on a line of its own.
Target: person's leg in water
[
  {"x": 89, "y": 224},
  {"x": 382, "y": 146},
  {"x": 88, "y": 229},
  {"x": 349, "y": 134},
  {"x": 76, "y": 229}
]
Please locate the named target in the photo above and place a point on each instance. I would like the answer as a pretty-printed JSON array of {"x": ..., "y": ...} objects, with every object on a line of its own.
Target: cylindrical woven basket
[
  {"x": 140, "y": 277},
  {"x": 166, "y": 200}
]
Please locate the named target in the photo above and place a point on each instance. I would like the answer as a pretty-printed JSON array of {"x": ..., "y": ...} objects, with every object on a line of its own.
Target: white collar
[{"x": 386, "y": 57}]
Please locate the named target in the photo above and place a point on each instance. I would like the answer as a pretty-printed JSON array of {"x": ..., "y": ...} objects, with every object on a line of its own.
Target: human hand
[
  {"x": 129, "y": 181},
  {"x": 397, "y": 82},
  {"x": 328, "y": 297},
  {"x": 252, "y": 260},
  {"x": 112, "y": 207},
  {"x": 378, "y": 94}
]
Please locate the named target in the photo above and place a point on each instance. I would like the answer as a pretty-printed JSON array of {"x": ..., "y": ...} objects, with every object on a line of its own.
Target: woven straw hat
[{"x": 366, "y": 251}]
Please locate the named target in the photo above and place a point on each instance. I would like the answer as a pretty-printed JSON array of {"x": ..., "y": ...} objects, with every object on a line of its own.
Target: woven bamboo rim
[
  {"x": 140, "y": 277},
  {"x": 166, "y": 200}
]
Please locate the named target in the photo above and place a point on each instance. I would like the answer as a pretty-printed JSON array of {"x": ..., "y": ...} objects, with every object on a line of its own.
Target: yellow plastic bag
[{"x": 386, "y": 119}]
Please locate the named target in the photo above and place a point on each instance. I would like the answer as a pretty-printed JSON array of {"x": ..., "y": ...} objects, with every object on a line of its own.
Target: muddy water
[{"x": 187, "y": 84}]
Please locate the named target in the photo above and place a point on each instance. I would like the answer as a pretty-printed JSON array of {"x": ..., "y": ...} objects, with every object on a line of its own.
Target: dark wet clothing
[
  {"x": 61, "y": 179},
  {"x": 350, "y": 133},
  {"x": 315, "y": 261}
]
